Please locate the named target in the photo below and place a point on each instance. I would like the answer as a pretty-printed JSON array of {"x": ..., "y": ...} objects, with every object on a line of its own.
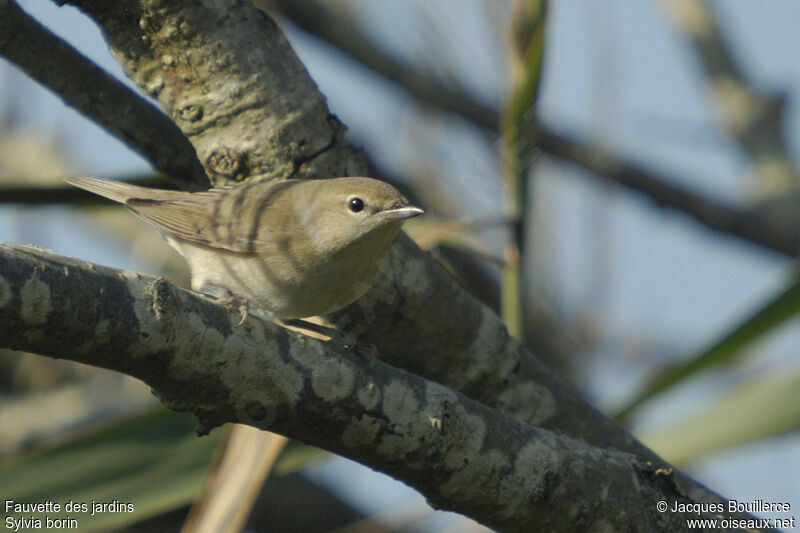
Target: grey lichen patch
[
  {"x": 409, "y": 423},
  {"x": 488, "y": 340},
  {"x": 101, "y": 335},
  {"x": 289, "y": 382},
  {"x": 5, "y": 292},
  {"x": 283, "y": 383},
  {"x": 467, "y": 432},
  {"x": 360, "y": 432},
  {"x": 491, "y": 329},
  {"x": 102, "y": 332},
  {"x": 35, "y": 301},
  {"x": 540, "y": 405},
  {"x": 470, "y": 481},
  {"x": 306, "y": 351},
  {"x": 332, "y": 380},
  {"x": 369, "y": 395},
  {"x": 255, "y": 362},
  {"x": 527, "y": 477},
  {"x": 399, "y": 401},
  {"x": 415, "y": 278}
]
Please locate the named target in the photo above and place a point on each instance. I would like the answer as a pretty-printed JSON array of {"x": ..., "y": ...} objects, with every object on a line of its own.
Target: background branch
[
  {"x": 344, "y": 34},
  {"x": 753, "y": 226},
  {"x": 65, "y": 194},
  {"x": 149, "y": 132},
  {"x": 753, "y": 117}
]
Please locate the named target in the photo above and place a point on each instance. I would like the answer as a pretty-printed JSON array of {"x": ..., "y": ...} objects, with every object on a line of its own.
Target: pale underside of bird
[{"x": 294, "y": 248}]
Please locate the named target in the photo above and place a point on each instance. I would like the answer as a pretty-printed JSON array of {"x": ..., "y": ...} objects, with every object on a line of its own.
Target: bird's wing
[
  {"x": 214, "y": 218},
  {"x": 201, "y": 218}
]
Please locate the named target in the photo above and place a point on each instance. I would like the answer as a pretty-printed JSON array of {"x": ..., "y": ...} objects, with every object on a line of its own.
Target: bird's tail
[{"x": 119, "y": 191}]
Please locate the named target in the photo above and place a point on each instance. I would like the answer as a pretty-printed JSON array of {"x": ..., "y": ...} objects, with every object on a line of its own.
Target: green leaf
[
  {"x": 727, "y": 348},
  {"x": 153, "y": 460},
  {"x": 759, "y": 409},
  {"x": 517, "y": 127}
]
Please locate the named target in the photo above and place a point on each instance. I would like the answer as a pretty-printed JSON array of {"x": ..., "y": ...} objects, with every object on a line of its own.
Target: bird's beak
[{"x": 402, "y": 212}]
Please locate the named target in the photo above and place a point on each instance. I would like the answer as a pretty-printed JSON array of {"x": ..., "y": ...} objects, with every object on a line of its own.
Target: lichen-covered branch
[
  {"x": 83, "y": 85},
  {"x": 226, "y": 75},
  {"x": 421, "y": 320},
  {"x": 196, "y": 356}
]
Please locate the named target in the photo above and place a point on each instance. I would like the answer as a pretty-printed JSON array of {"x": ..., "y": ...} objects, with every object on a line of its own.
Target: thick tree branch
[
  {"x": 229, "y": 79},
  {"x": 421, "y": 320},
  {"x": 83, "y": 85},
  {"x": 462, "y": 455}
]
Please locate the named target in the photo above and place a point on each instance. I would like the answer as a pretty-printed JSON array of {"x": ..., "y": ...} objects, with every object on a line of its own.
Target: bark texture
[{"x": 462, "y": 455}]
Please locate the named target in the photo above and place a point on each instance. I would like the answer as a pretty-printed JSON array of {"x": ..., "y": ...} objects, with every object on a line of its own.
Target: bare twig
[
  {"x": 753, "y": 117},
  {"x": 750, "y": 225},
  {"x": 317, "y": 19},
  {"x": 66, "y": 194}
]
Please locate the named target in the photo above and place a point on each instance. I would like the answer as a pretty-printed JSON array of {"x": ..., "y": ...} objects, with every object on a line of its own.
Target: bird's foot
[
  {"x": 340, "y": 338},
  {"x": 226, "y": 298}
]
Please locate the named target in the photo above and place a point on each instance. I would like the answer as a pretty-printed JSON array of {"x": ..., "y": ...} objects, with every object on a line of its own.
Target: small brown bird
[{"x": 294, "y": 248}]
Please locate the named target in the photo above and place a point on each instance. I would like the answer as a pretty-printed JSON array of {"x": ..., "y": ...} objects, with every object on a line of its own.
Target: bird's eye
[{"x": 355, "y": 204}]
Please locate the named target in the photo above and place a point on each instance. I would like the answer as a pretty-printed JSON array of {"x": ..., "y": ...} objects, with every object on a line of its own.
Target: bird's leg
[{"x": 226, "y": 298}]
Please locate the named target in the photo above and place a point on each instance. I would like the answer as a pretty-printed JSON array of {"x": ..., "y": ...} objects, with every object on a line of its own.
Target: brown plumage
[{"x": 294, "y": 248}]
